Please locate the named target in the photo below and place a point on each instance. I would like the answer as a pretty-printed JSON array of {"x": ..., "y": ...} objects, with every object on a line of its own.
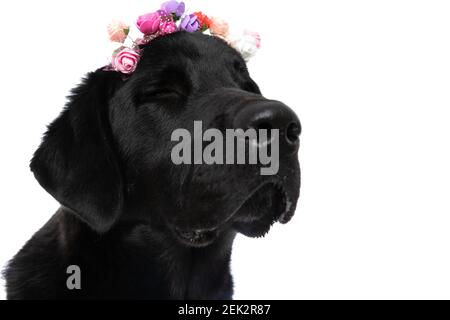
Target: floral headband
[{"x": 172, "y": 17}]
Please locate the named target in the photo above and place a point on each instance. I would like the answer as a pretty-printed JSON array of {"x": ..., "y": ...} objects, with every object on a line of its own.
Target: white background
[{"x": 370, "y": 81}]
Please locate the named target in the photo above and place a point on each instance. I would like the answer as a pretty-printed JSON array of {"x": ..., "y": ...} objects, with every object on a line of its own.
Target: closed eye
[
  {"x": 166, "y": 93},
  {"x": 240, "y": 67},
  {"x": 169, "y": 85},
  {"x": 160, "y": 95}
]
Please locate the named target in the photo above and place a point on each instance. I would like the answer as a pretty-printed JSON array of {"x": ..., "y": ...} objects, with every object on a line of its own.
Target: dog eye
[
  {"x": 166, "y": 93},
  {"x": 240, "y": 67},
  {"x": 158, "y": 95}
]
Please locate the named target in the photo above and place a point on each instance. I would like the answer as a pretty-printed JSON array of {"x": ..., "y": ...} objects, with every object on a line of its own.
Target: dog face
[{"x": 108, "y": 156}]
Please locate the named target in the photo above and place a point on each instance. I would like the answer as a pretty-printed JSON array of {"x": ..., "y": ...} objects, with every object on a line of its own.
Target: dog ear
[{"x": 76, "y": 162}]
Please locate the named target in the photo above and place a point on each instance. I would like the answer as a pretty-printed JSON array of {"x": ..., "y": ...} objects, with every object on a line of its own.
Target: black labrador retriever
[{"x": 135, "y": 224}]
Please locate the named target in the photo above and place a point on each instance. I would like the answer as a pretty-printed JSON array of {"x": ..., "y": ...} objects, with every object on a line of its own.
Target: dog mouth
[
  {"x": 197, "y": 238},
  {"x": 267, "y": 204}
]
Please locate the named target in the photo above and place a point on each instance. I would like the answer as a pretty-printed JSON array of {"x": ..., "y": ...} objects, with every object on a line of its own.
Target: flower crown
[{"x": 172, "y": 17}]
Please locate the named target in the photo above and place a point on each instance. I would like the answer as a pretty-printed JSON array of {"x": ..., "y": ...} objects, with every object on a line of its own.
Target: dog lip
[
  {"x": 282, "y": 216},
  {"x": 196, "y": 237},
  {"x": 287, "y": 214}
]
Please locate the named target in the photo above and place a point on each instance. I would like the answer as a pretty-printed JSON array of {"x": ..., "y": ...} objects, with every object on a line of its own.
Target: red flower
[{"x": 205, "y": 22}]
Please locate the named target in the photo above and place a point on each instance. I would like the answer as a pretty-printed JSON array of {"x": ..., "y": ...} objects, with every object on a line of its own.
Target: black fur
[{"x": 106, "y": 159}]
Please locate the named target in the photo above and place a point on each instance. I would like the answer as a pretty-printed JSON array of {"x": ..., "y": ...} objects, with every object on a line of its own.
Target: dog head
[{"x": 108, "y": 156}]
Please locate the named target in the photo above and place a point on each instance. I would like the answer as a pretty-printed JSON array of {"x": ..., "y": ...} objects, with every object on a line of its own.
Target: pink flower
[
  {"x": 167, "y": 27},
  {"x": 219, "y": 28},
  {"x": 149, "y": 23},
  {"x": 256, "y": 37},
  {"x": 126, "y": 61},
  {"x": 118, "y": 31}
]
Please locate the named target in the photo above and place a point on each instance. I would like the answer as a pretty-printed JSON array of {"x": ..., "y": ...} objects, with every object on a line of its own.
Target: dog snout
[{"x": 271, "y": 115}]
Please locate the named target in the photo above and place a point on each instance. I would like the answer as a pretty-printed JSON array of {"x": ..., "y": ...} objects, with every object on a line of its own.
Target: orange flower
[
  {"x": 204, "y": 20},
  {"x": 118, "y": 31},
  {"x": 219, "y": 28}
]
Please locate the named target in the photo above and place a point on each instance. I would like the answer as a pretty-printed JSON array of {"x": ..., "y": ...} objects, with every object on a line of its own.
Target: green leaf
[{"x": 175, "y": 17}]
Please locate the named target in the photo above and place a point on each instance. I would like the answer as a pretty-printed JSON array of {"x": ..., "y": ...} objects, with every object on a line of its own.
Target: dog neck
[{"x": 183, "y": 272}]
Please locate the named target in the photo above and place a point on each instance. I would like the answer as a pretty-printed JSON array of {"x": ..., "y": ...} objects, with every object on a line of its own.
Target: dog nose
[{"x": 271, "y": 115}]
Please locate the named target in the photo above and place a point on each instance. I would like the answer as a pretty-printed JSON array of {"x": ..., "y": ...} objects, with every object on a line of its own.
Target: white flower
[{"x": 248, "y": 44}]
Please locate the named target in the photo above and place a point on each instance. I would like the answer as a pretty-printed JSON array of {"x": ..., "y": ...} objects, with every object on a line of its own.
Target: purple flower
[
  {"x": 174, "y": 7},
  {"x": 190, "y": 23}
]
